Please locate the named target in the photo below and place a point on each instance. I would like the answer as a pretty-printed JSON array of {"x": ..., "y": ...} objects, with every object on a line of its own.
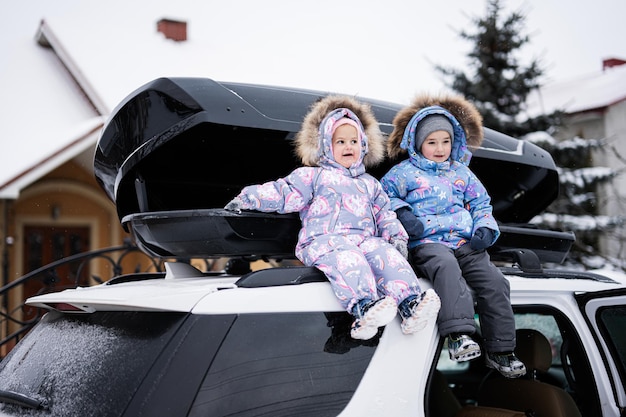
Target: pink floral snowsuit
[{"x": 347, "y": 224}]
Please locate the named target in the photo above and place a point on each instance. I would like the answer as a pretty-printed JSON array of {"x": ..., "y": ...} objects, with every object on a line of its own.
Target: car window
[
  {"x": 612, "y": 321},
  {"x": 85, "y": 364},
  {"x": 131, "y": 363},
  {"x": 546, "y": 324},
  {"x": 284, "y": 364},
  {"x": 570, "y": 369}
]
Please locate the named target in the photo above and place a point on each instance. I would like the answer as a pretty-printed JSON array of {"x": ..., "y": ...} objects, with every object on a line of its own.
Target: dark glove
[
  {"x": 411, "y": 223},
  {"x": 482, "y": 239},
  {"x": 235, "y": 205},
  {"x": 401, "y": 246}
]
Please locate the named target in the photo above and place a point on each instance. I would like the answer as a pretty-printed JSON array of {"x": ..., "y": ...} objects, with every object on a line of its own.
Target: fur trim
[
  {"x": 465, "y": 112},
  {"x": 307, "y": 140}
]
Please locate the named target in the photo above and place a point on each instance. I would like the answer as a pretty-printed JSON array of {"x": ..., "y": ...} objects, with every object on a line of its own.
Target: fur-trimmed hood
[
  {"x": 464, "y": 116},
  {"x": 313, "y": 141}
]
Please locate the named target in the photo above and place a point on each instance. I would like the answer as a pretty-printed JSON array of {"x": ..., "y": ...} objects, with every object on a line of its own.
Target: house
[
  {"x": 51, "y": 206},
  {"x": 595, "y": 108}
]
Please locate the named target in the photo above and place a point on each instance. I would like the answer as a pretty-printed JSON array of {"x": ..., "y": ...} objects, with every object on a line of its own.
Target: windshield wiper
[{"x": 11, "y": 397}]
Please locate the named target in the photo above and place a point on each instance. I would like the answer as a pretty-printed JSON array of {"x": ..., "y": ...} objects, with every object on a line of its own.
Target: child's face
[
  {"x": 346, "y": 145},
  {"x": 437, "y": 146}
]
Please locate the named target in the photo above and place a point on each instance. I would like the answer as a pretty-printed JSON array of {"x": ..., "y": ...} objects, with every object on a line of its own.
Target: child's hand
[
  {"x": 401, "y": 246},
  {"x": 235, "y": 205},
  {"x": 411, "y": 223},
  {"x": 482, "y": 239}
]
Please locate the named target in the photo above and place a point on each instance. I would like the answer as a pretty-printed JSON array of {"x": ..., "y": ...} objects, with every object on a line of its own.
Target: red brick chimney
[
  {"x": 173, "y": 29},
  {"x": 612, "y": 62}
]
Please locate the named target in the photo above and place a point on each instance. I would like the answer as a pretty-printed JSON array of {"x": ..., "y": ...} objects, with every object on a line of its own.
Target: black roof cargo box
[{"x": 176, "y": 150}]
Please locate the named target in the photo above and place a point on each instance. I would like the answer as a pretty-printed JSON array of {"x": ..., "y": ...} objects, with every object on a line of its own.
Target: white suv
[{"x": 275, "y": 341}]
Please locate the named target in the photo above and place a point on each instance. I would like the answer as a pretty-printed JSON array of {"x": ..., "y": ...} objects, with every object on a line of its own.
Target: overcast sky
[{"x": 384, "y": 49}]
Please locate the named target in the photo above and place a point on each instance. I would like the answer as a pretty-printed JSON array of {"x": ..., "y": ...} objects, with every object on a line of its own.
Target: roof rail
[
  {"x": 526, "y": 259},
  {"x": 288, "y": 275}
]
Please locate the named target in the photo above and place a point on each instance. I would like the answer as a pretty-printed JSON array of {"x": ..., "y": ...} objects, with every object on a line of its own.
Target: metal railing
[{"x": 49, "y": 277}]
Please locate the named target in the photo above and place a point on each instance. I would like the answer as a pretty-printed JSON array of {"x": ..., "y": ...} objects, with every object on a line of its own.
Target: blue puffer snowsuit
[
  {"x": 446, "y": 197},
  {"x": 347, "y": 223},
  {"x": 452, "y": 204}
]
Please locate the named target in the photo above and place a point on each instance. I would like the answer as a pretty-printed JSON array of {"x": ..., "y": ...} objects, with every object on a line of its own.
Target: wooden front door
[{"x": 46, "y": 244}]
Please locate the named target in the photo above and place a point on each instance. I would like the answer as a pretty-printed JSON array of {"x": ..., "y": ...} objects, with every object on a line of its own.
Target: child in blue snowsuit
[
  {"x": 348, "y": 230},
  {"x": 447, "y": 213}
]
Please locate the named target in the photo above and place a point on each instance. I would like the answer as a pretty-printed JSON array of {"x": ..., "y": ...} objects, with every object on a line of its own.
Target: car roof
[{"x": 185, "y": 289}]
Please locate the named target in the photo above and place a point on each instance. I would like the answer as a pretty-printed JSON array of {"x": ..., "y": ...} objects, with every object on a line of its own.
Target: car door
[{"x": 605, "y": 312}]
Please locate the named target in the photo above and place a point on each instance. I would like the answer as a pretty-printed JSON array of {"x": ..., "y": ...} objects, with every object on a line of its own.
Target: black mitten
[{"x": 482, "y": 239}]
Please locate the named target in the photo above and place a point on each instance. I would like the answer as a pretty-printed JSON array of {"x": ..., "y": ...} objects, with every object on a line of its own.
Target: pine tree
[
  {"x": 576, "y": 209},
  {"x": 499, "y": 85}
]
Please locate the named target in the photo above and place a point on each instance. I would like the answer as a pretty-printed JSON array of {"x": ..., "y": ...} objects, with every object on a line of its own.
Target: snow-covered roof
[
  {"x": 589, "y": 92},
  {"x": 64, "y": 82},
  {"x": 47, "y": 119}
]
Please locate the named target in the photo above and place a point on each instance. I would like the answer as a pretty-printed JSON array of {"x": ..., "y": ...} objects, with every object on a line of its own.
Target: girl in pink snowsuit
[{"x": 348, "y": 230}]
